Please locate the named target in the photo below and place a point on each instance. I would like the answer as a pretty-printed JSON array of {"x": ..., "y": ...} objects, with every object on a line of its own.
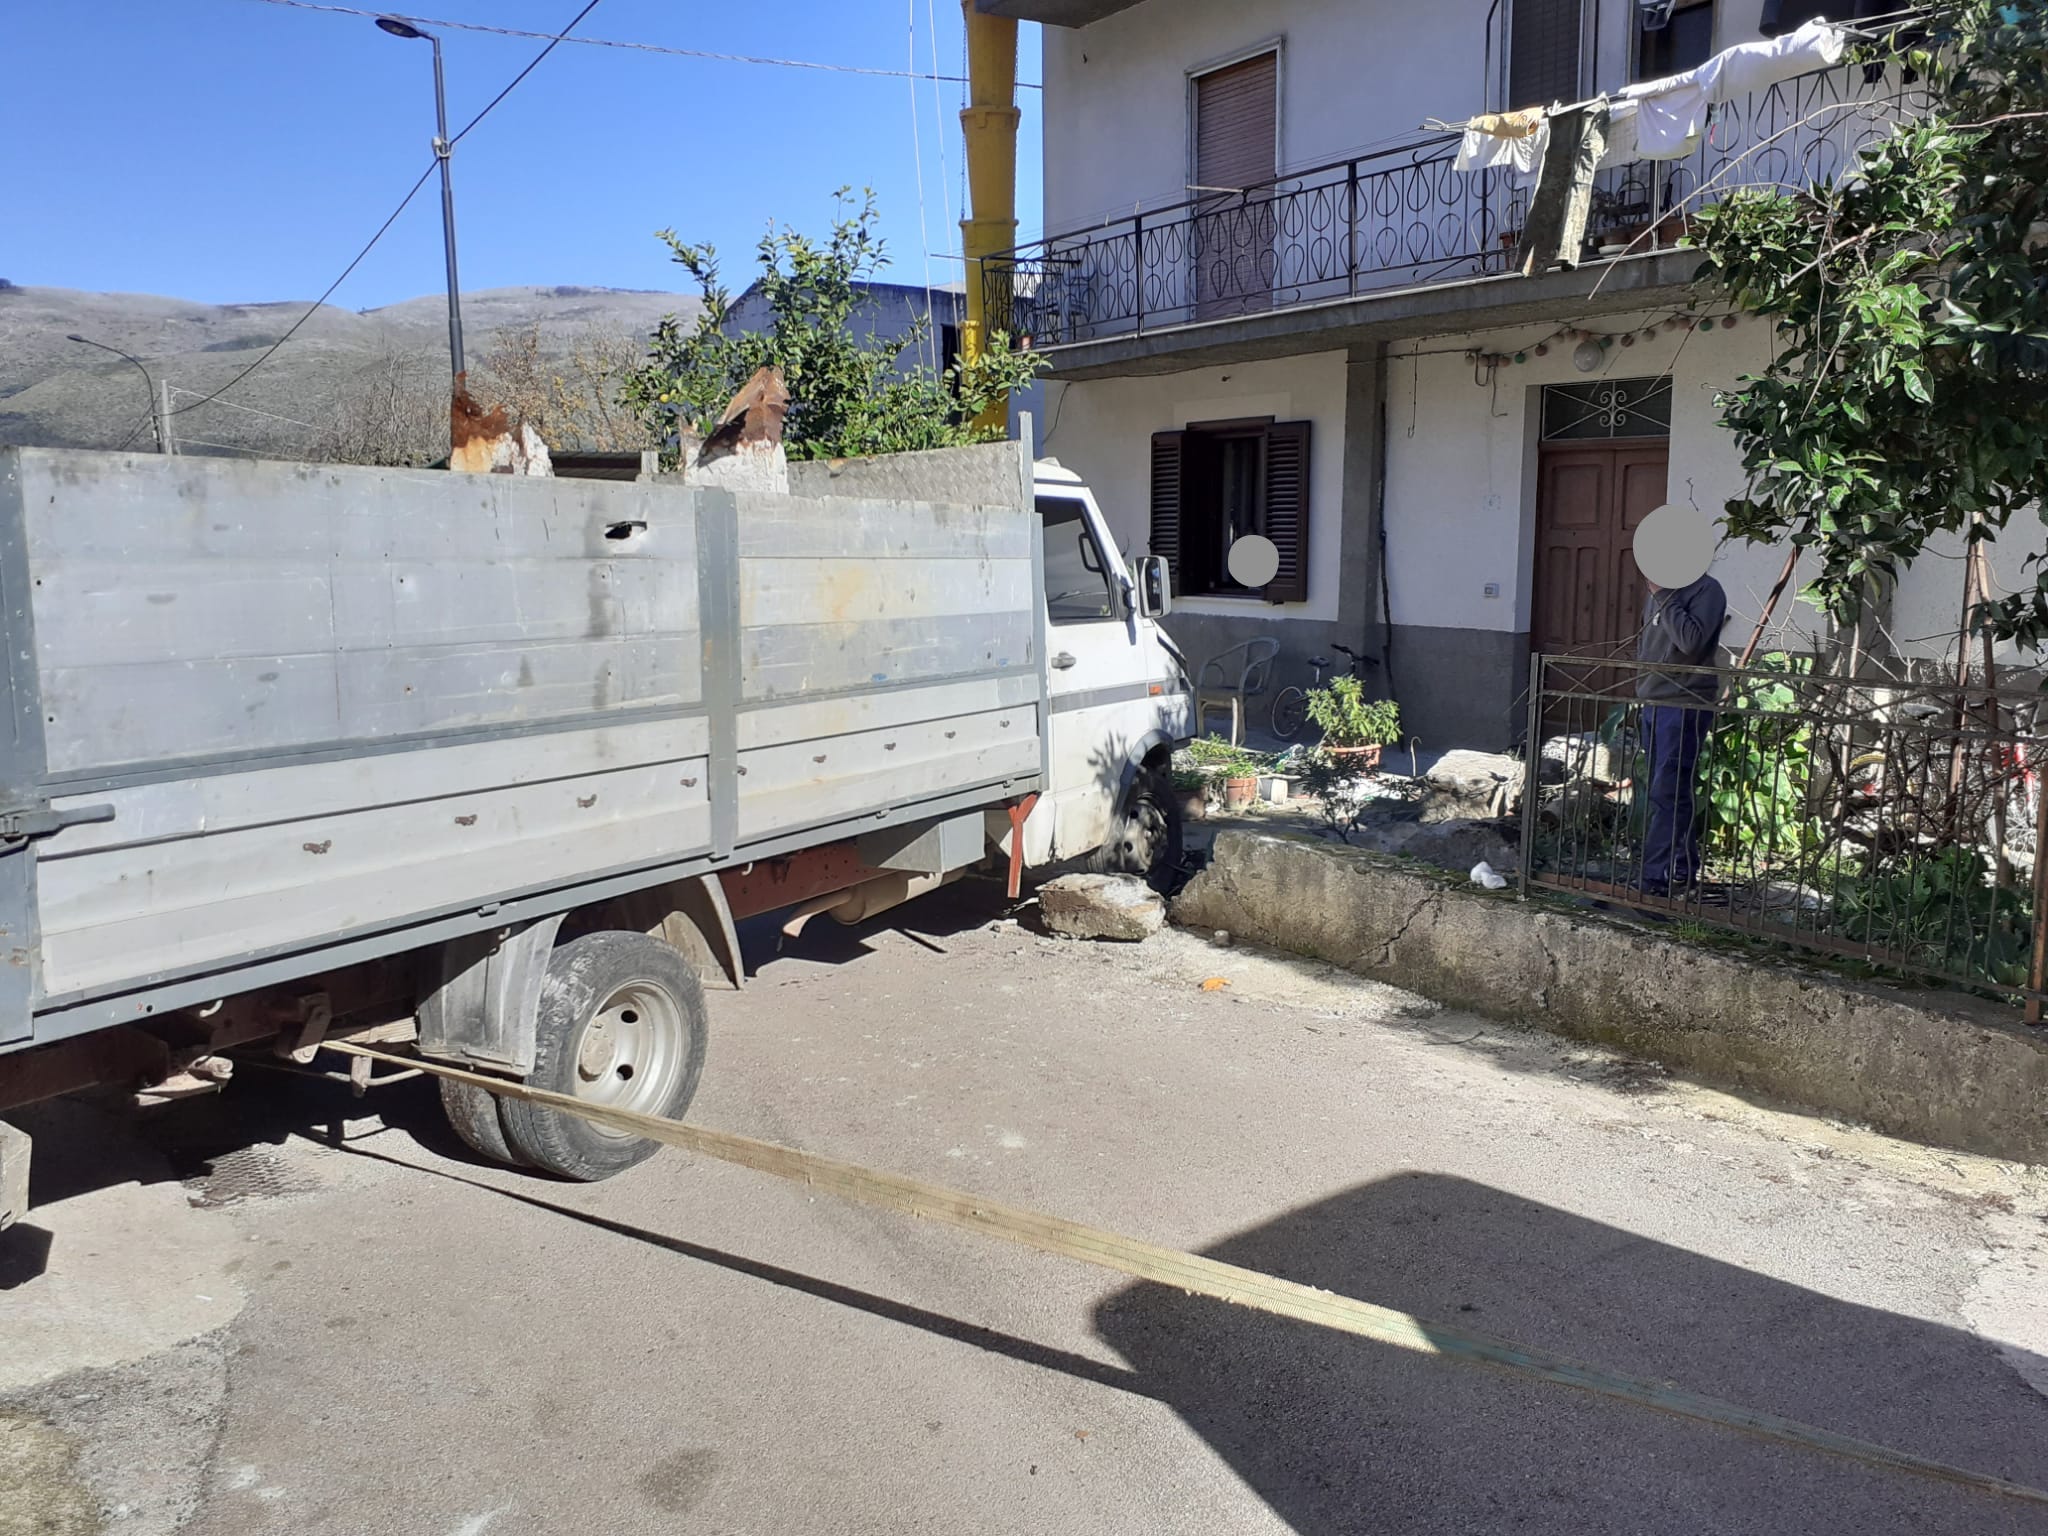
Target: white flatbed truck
[{"x": 492, "y": 765}]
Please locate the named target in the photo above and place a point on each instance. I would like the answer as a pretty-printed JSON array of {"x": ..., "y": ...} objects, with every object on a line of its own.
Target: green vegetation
[
  {"x": 1907, "y": 396},
  {"x": 1940, "y": 909},
  {"x": 1348, "y": 719},
  {"x": 848, "y": 392}
]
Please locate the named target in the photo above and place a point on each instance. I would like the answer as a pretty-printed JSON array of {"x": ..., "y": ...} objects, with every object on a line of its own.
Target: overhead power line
[
  {"x": 403, "y": 204},
  {"x": 661, "y": 48},
  {"x": 271, "y": 351},
  {"x": 530, "y": 68}
]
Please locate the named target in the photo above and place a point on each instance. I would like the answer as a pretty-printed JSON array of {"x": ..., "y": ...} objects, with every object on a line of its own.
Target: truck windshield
[{"x": 1077, "y": 584}]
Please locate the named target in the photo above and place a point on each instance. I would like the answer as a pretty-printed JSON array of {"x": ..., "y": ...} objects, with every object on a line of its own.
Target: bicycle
[{"x": 1290, "y": 707}]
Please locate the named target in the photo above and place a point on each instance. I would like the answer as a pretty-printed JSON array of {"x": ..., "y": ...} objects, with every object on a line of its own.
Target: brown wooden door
[
  {"x": 1589, "y": 595},
  {"x": 1236, "y": 146}
]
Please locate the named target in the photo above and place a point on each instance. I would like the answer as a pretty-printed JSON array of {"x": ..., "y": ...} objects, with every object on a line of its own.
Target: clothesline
[{"x": 1648, "y": 88}]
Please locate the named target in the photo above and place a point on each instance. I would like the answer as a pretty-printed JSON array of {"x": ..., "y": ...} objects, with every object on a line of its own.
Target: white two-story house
[{"x": 1273, "y": 303}]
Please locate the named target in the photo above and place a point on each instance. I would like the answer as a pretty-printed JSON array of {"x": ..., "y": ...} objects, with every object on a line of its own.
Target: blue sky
[{"x": 233, "y": 150}]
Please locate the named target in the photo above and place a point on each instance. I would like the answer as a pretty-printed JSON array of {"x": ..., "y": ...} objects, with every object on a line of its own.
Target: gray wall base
[{"x": 1935, "y": 1067}]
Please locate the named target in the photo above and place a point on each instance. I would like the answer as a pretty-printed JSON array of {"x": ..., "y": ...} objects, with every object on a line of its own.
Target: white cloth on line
[
  {"x": 1514, "y": 139},
  {"x": 1664, "y": 119}
]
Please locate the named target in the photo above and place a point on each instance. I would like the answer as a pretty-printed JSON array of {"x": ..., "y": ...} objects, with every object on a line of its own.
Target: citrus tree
[
  {"x": 1908, "y": 397},
  {"x": 850, "y": 391}
]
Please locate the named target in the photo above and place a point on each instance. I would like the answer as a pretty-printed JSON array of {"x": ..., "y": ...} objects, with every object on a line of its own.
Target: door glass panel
[{"x": 1077, "y": 584}]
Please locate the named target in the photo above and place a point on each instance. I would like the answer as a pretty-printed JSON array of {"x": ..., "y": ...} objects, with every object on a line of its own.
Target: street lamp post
[
  {"x": 399, "y": 27},
  {"x": 156, "y": 420}
]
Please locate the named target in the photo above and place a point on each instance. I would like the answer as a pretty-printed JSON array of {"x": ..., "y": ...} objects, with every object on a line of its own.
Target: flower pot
[
  {"x": 1239, "y": 793},
  {"x": 1194, "y": 805},
  {"x": 1365, "y": 759}
]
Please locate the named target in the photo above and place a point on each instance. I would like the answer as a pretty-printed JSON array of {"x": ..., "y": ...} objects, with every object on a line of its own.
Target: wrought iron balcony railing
[{"x": 1406, "y": 217}]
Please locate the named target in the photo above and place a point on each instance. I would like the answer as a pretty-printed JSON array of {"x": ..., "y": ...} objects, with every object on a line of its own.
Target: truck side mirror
[{"x": 1155, "y": 587}]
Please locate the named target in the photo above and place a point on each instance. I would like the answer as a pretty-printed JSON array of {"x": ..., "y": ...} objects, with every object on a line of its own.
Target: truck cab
[{"x": 1118, "y": 690}]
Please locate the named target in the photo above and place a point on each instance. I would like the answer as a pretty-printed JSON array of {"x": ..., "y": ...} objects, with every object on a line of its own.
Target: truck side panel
[{"x": 326, "y": 703}]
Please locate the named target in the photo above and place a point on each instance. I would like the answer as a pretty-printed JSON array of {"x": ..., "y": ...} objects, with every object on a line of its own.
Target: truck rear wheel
[
  {"x": 1145, "y": 837},
  {"x": 473, "y": 1114},
  {"x": 621, "y": 1023}
]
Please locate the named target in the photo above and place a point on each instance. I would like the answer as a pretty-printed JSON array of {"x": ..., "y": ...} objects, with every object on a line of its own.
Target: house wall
[
  {"x": 1103, "y": 430},
  {"x": 1353, "y": 74}
]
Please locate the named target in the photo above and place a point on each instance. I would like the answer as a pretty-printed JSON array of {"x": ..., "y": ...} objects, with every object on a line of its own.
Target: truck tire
[
  {"x": 622, "y": 1023},
  {"x": 473, "y": 1114},
  {"x": 1145, "y": 837}
]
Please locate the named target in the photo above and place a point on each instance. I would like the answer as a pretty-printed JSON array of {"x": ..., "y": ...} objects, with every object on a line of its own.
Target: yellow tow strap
[{"x": 1207, "y": 1277}]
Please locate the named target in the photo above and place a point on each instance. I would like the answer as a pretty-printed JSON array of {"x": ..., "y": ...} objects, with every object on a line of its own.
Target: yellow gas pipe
[{"x": 988, "y": 123}]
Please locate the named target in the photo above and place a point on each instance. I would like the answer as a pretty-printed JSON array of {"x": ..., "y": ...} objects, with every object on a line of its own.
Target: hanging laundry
[
  {"x": 1665, "y": 119},
  {"x": 1554, "y": 234},
  {"x": 1514, "y": 139}
]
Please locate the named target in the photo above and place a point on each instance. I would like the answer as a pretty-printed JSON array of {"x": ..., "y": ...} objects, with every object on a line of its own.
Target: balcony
[
  {"x": 1331, "y": 248},
  {"x": 1055, "y": 13}
]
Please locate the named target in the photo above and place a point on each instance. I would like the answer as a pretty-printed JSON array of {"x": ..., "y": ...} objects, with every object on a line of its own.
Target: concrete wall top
[{"x": 1354, "y": 74}]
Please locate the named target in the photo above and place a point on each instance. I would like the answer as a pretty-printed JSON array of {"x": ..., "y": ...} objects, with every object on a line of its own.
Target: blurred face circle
[
  {"x": 1254, "y": 560},
  {"x": 1674, "y": 545}
]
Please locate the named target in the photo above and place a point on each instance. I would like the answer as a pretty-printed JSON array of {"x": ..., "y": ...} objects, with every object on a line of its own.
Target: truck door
[{"x": 1096, "y": 672}]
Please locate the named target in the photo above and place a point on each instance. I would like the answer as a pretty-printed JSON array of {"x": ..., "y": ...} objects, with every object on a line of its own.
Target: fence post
[
  {"x": 1532, "y": 771},
  {"x": 1138, "y": 266},
  {"x": 2037, "y": 973}
]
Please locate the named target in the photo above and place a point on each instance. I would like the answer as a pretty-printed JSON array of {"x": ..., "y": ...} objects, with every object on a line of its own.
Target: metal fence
[
  {"x": 1407, "y": 216},
  {"x": 1894, "y": 823}
]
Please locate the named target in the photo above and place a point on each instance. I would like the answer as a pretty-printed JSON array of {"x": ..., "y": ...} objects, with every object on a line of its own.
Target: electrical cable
[
  {"x": 929, "y": 347},
  {"x": 403, "y": 204},
  {"x": 271, "y": 351},
  {"x": 513, "y": 85},
  {"x": 607, "y": 42}
]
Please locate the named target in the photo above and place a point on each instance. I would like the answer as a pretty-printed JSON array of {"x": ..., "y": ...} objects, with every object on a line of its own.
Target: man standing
[{"x": 1681, "y": 628}]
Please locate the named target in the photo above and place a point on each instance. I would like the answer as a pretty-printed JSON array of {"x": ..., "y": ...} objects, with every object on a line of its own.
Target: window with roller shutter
[
  {"x": 1217, "y": 481},
  {"x": 1543, "y": 52},
  {"x": 1236, "y": 147}
]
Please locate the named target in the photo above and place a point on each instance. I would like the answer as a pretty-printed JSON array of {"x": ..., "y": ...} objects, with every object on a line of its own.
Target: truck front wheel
[
  {"x": 621, "y": 1023},
  {"x": 1145, "y": 837}
]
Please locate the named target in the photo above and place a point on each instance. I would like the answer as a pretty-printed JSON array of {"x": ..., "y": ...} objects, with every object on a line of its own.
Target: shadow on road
[
  {"x": 930, "y": 922},
  {"x": 1338, "y": 1434}
]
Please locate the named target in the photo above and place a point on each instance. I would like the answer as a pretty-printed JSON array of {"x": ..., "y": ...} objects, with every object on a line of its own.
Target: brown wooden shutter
[
  {"x": 1236, "y": 123},
  {"x": 1168, "y": 456},
  {"x": 1286, "y": 522},
  {"x": 1543, "y": 52}
]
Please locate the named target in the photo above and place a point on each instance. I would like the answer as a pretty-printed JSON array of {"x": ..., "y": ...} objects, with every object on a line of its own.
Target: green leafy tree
[
  {"x": 848, "y": 391},
  {"x": 1909, "y": 394}
]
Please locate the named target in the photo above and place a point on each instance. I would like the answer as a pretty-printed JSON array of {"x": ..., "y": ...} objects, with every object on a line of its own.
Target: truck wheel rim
[{"x": 630, "y": 1051}]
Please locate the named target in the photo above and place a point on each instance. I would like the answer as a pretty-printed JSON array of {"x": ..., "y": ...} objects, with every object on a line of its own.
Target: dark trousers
[{"x": 1671, "y": 847}]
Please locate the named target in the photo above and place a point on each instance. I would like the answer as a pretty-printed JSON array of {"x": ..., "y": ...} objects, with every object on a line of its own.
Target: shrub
[{"x": 1348, "y": 719}]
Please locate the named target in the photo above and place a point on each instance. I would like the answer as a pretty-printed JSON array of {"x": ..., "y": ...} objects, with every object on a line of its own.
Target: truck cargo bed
[{"x": 338, "y": 712}]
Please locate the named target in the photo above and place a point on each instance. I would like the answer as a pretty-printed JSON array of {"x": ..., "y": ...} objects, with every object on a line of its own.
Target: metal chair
[{"x": 1215, "y": 687}]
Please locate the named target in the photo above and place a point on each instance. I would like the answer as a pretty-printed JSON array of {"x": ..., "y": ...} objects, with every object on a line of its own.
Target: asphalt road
[{"x": 285, "y": 1310}]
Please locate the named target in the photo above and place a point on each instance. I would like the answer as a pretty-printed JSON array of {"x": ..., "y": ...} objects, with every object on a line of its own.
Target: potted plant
[
  {"x": 1191, "y": 788},
  {"x": 1354, "y": 726},
  {"x": 1240, "y": 781}
]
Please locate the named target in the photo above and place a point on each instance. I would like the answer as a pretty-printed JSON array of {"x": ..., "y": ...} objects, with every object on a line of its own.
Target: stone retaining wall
[{"x": 1932, "y": 1066}]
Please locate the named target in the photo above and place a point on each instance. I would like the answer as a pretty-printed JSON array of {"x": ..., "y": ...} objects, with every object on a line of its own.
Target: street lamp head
[{"x": 399, "y": 27}]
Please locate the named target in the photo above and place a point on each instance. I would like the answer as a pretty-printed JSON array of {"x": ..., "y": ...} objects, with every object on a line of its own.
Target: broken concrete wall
[{"x": 1936, "y": 1067}]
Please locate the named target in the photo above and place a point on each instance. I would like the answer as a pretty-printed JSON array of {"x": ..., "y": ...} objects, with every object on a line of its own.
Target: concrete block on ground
[
  {"x": 1102, "y": 907},
  {"x": 1467, "y": 785},
  {"x": 1937, "y": 1067}
]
